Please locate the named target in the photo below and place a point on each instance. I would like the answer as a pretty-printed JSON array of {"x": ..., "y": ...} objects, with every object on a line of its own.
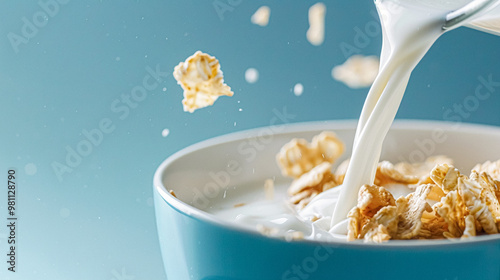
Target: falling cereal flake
[
  {"x": 316, "y": 32},
  {"x": 358, "y": 71},
  {"x": 298, "y": 89},
  {"x": 251, "y": 75},
  {"x": 165, "y": 132},
  {"x": 261, "y": 16},
  {"x": 201, "y": 78},
  {"x": 30, "y": 169}
]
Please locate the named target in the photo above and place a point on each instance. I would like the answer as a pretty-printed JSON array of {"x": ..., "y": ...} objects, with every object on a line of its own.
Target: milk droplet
[
  {"x": 298, "y": 89},
  {"x": 251, "y": 75},
  {"x": 165, "y": 132}
]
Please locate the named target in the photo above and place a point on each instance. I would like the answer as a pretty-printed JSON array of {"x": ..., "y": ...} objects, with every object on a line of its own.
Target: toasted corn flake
[
  {"x": 410, "y": 210},
  {"x": 372, "y": 198},
  {"x": 201, "y": 79},
  {"x": 298, "y": 157}
]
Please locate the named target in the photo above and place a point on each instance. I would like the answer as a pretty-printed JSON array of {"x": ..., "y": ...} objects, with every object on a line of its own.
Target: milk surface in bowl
[{"x": 198, "y": 245}]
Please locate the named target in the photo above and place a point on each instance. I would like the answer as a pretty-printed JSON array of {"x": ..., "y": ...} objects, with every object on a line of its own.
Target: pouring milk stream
[{"x": 410, "y": 27}]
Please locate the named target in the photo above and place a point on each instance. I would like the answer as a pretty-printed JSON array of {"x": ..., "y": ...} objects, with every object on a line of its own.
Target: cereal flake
[
  {"x": 373, "y": 198},
  {"x": 470, "y": 227},
  {"x": 317, "y": 180},
  {"x": 492, "y": 168},
  {"x": 446, "y": 177},
  {"x": 261, "y": 16},
  {"x": 358, "y": 71},
  {"x": 387, "y": 174},
  {"x": 452, "y": 209},
  {"x": 410, "y": 211},
  {"x": 201, "y": 79},
  {"x": 472, "y": 194},
  {"x": 298, "y": 157}
]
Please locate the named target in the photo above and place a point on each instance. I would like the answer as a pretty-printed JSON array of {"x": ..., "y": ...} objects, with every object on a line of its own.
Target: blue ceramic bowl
[{"x": 198, "y": 245}]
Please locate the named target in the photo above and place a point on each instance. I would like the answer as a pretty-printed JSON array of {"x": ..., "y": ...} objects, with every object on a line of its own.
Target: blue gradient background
[{"x": 98, "y": 221}]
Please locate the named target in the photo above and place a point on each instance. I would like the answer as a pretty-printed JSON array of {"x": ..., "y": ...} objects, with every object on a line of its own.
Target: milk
[{"x": 249, "y": 209}]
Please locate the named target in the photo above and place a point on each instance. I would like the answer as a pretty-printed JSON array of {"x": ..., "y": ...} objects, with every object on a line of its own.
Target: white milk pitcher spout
[
  {"x": 482, "y": 15},
  {"x": 489, "y": 22}
]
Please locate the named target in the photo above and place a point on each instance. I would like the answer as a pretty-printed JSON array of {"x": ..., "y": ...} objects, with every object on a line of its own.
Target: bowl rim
[{"x": 399, "y": 124}]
